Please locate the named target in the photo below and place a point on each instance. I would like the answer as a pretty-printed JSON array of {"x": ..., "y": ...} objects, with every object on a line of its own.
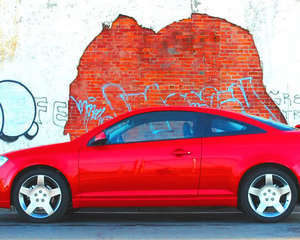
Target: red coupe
[{"x": 166, "y": 156}]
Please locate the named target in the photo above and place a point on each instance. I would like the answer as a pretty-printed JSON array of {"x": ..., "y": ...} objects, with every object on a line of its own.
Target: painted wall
[
  {"x": 198, "y": 61},
  {"x": 59, "y": 56}
]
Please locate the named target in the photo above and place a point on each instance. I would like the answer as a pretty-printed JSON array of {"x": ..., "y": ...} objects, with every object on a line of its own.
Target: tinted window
[
  {"x": 277, "y": 125},
  {"x": 154, "y": 126},
  {"x": 221, "y": 126}
]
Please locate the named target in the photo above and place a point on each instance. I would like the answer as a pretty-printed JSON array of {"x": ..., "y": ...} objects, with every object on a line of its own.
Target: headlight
[{"x": 3, "y": 160}]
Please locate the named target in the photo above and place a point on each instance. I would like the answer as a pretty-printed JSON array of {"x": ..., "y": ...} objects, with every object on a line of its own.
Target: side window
[
  {"x": 154, "y": 126},
  {"x": 221, "y": 126}
]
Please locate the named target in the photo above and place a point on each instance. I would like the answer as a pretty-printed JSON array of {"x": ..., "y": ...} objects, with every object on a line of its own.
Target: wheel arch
[
  {"x": 275, "y": 165},
  {"x": 27, "y": 169}
]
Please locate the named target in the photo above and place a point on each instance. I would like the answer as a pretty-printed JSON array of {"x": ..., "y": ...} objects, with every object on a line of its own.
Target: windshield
[{"x": 277, "y": 125}]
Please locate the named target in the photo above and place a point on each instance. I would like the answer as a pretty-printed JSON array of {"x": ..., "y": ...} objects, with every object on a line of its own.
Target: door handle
[{"x": 181, "y": 152}]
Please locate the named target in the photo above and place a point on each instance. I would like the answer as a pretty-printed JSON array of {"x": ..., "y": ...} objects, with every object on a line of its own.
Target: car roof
[{"x": 207, "y": 110}]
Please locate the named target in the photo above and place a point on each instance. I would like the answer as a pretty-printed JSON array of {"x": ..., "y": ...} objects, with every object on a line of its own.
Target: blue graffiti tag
[
  {"x": 91, "y": 111},
  {"x": 201, "y": 99}
]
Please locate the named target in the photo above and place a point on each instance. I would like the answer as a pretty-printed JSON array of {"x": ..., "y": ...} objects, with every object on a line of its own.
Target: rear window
[{"x": 277, "y": 125}]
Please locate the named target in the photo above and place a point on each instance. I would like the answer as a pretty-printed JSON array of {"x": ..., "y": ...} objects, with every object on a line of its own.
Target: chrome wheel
[
  {"x": 40, "y": 196},
  {"x": 269, "y": 195}
]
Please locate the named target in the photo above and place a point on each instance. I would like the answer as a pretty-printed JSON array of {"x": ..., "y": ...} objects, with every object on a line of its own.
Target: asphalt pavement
[{"x": 168, "y": 223}]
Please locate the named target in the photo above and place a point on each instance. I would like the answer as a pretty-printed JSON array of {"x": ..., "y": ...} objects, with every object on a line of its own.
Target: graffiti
[
  {"x": 206, "y": 97},
  {"x": 17, "y": 111},
  {"x": 90, "y": 110},
  {"x": 288, "y": 103},
  {"x": 21, "y": 113},
  {"x": 282, "y": 98},
  {"x": 124, "y": 96},
  {"x": 58, "y": 113},
  {"x": 42, "y": 107},
  {"x": 199, "y": 61}
]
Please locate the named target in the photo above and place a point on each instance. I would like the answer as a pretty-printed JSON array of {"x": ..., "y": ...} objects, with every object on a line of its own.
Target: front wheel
[
  {"x": 268, "y": 194},
  {"x": 41, "y": 195}
]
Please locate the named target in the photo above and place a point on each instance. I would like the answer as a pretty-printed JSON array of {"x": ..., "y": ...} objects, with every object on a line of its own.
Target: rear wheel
[
  {"x": 41, "y": 195},
  {"x": 268, "y": 194}
]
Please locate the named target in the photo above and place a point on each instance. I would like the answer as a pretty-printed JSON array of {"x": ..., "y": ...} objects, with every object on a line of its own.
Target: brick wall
[{"x": 200, "y": 61}]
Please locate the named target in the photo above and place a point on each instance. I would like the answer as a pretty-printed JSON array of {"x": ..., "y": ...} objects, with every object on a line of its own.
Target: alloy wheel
[
  {"x": 40, "y": 196},
  {"x": 269, "y": 195}
]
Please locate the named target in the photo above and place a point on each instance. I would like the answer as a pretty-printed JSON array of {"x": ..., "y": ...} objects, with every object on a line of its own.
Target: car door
[
  {"x": 147, "y": 155},
  {"x": 226, "y": 144}
]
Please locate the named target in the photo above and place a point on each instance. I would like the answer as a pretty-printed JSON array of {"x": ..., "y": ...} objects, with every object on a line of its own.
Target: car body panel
[
  {"x": 133, "y": 175},
  {"x": 223, "y": 169},
  {"x": 155, "y": 170},
  {"x": 63, "y": 157}
]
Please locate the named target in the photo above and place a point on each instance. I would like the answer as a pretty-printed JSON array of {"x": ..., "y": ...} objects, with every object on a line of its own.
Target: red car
[{"x": 166, "y": 156}]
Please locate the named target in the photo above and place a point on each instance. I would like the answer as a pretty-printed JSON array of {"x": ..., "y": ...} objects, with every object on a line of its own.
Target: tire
[
  {"x": 41, "y": 195},
  {"x": 268, "y": 195}
]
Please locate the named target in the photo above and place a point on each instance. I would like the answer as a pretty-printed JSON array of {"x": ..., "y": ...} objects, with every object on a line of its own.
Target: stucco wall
[{"x": 42, "y": 42}]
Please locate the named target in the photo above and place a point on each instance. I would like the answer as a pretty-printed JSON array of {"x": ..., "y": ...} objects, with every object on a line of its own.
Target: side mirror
[
  {"x": 98, "y": 140},
  {"x": 297, "y": 126}
]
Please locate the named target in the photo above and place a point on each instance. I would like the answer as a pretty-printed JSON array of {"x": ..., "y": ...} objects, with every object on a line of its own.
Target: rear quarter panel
[{"x": 226, "y": 159}]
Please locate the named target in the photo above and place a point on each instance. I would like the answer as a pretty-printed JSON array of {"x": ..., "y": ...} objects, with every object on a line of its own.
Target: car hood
[{"x": 52, "y": 149}]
